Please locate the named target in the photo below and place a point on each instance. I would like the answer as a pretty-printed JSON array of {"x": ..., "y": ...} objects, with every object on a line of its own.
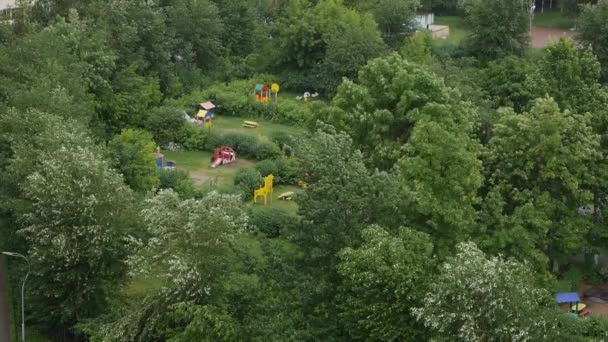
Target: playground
[{"x": 210, "y": 173}]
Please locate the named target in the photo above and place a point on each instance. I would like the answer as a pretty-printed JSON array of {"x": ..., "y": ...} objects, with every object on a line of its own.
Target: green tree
[
  {"x": 383, "y": 279},
  {"x": 39, "y": 71},
  {"x": 572, "y": 77},
  {"x": 513, "y": 82},
  {"x": 188, "y": 247},
  {"x": 442, "y": 175},
  {"x": 481, "y": 298},
  {"x": 133, "y": 154},
  {"x": 133, "y": 96},
  {"x": 341, "y": 61},
  {"x": 198, "y": 28},
  {"x": 239, "y": 20},
  {"x": 342, "y": 198},
  {"x": 593, "y": 31},
  {"x": 538, "y": 165},
  {"x": 305, "y": 37},
  {"x": 390, "y": 96},
  {"x": 395, "y": 19},
  {"x": 78, "y": 215},
  {"x": 498, "y": 27}
]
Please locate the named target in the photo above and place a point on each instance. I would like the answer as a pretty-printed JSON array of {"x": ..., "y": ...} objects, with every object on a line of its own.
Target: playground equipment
[
  {"x": 264, "y": 191},
  {"x": 223, "y": 155},
  {"x": 262, "y": 93},
  {"x": 574, "y": 307},
  {"x": 206, "y": 114},
  {"x": 160, "y": 161},
  {"x": 308, "y": 97},
  {"x": 274, "y": 88},
  {"x": 250, "y": 124}
]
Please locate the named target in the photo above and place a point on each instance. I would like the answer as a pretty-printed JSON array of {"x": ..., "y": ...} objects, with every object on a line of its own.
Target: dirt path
[{"x": 543, "y": 37}]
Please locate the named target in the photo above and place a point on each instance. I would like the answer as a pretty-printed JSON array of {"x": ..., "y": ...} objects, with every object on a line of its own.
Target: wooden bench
[
  {"x": 250, "y": 124},
  {"x": 286, "y": 196}
]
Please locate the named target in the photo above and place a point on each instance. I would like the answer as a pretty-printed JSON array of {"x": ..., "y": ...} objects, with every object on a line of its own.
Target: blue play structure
[
  {"x": 160, "y": 162},
  {"x": 572, "y": 299}
]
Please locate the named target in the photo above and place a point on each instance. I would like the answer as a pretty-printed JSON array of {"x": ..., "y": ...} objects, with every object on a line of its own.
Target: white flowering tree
[
  {"x": 382, "y": 280},
  {"x": 482, "y": 298},
  {"x": 77, "y": 214},
  {"x": 188, "y": 247},
  {"x": 189, "y": 240}
]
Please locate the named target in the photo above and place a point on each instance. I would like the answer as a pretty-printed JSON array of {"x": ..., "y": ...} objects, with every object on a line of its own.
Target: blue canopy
[{"x": 567, "y": 297}]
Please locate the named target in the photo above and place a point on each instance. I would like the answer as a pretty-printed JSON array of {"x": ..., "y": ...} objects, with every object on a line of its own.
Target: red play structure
[{"x": 223, "y": 155}]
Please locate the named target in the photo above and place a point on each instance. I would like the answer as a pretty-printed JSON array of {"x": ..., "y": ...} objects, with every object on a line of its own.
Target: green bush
[
  {"x": 288, "y": 171},
  {"x": 267, "y": 167},
  {"x": 178, "y": 181},
  {"x": 165, "y": 124},
  {"x": 272, "y": 221},
  {"x": 247, "y": 180},
  {"x": 236, "y": 99},
  {"x": 267, "y": 150},
  {"x": 285, "y": 141},
  {"x": 245, "y": 145},
  {"x": 193, "y": 137}
]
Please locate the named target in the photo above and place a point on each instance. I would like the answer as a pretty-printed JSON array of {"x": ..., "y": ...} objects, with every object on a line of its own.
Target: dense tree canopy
[
  {"x": 498, "y": 27},
  {"x": 423, "y": 188}
]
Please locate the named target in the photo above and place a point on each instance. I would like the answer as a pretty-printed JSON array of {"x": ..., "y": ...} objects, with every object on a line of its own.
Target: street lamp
[{"x": 17, "y": 255}]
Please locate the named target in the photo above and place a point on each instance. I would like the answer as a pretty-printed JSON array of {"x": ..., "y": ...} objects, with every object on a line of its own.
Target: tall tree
[
  {"x": 304, "y": 39},
  {"x": 498, "y": 27},
  {"x": 187, "y": 246},
  {"x": 480, "y": 298},
  {"x": 80, "y": 212},
  {"x": 538, "y": 166},
  {"x": 342, "y": 198},
  {"x": 442, "y": 176},
  {"x": 383, "y": 279},
  {"x": 198, "y": 29},
  {"x": 132, "y": 151},
  {"x": 592, "y": 30},
  {"x": 390, "y": 95}
]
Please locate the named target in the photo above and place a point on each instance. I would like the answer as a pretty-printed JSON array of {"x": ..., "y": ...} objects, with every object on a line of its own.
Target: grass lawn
[
  {"x": 457, "y": 30},
  {"x": 552, "y": 19},
  {"x": 198, "y": 165},
  {"x": 264, "y": 130},
  {"x": 290, "y": 206}
]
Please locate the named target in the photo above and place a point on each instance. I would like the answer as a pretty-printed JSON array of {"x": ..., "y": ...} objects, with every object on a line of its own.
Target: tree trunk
[
  {"x": 542, "y": 6},
  {"x": 4, "y": 306},
  {"x": 555, "y": 266}
]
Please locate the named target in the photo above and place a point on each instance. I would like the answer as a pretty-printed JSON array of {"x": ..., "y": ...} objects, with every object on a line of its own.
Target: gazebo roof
[
  {"x": 567, "y": 297},
  {"x": 207, "y": 105}
]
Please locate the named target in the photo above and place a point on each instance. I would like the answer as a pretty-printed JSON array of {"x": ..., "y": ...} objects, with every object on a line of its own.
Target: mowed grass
[
  {"x": 264, "y": 131},
  {"x": 552, "y": 19},
  {"x": 290, "y": 206},
  {"x": 198, "y": 163},
  {"x": 458, "y": 31},
  {"x": 198, "y": 166}
]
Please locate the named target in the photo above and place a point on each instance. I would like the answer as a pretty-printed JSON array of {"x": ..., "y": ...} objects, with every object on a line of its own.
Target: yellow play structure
[{"x": 264, "y": 191}]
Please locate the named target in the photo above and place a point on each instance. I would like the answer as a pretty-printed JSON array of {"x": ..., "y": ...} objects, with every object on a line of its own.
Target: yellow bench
[
  {"x": 286, "y": 196},
  {"x": 250, "y": 124}
]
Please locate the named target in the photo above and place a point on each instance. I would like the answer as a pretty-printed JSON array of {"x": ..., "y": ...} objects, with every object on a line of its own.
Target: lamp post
[{"x": 17, "y": 255}]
